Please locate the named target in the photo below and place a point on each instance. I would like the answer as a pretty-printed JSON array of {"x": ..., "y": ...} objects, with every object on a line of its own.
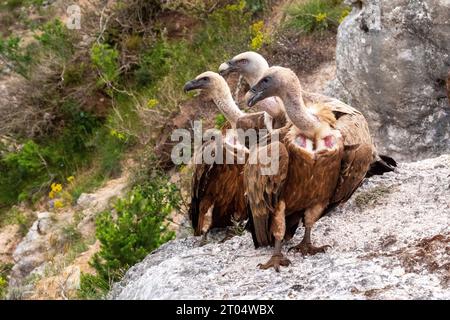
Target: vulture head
[
  {"x": 275, "y": 81},
  {"x": 249, "y": 64},
  {"x": 210, "y": 83}
]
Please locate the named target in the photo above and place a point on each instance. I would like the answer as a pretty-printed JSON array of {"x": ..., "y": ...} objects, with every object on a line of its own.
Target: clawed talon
[
  {"x": 276, "y": 261},
  {"x": 308, "y": 249}
]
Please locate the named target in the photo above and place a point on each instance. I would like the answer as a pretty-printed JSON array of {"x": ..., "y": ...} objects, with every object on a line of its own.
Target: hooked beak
[
  {"x": 191, "y": 85},
  {"x": 255, "y": 97},
  {"x": 227, "y": 67}
]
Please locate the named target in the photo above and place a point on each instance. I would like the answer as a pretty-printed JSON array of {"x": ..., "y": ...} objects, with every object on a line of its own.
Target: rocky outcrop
[
  {"x": 389, "y": 241},
  {"x": 40, "y": 267},
  {"x": 392, "y": 60}
]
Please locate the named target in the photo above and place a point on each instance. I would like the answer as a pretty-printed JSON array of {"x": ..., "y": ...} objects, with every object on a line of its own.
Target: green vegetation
[
  {"x": 4, "y": 272},
  {"x": 16, "y": 216},
  {"x": 88, "y": 105},
  {"x": 135, "y": 228},
  {"x": 131, "y": 70},
  {"x": 17, "y": 59},
  {"x": 220, "y": 121},
  {"x": 316, "y": 15}
]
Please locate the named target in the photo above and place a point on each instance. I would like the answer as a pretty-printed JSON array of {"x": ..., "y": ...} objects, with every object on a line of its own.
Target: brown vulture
[
  {"x": 217, "y": 194},
  {"x": 323, "y": 158},
  {"x": 251, "y": 66}
]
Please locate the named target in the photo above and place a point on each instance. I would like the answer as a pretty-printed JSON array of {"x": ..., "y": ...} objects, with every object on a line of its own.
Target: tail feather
[{"x": 382, "y": 165}]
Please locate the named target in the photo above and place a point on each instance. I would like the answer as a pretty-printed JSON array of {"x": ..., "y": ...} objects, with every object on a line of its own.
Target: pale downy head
[
  {"x": 250, "y": 65},
  {"x": 276, "y": 81},
  {"x": 211, "y": 83},
  {"x": 216, "y": 88}
]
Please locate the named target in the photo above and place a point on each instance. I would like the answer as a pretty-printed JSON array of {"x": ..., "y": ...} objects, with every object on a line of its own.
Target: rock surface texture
[
  {"x": 391, "y": 240},
  {"x": 392, "y": 61}
]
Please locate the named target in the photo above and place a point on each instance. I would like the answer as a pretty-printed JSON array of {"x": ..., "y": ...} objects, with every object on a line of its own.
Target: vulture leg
[
  {"x": 206, "y": 225},
  {"x": 278, "y": 228},
  {"x": 305, "y": 247}
]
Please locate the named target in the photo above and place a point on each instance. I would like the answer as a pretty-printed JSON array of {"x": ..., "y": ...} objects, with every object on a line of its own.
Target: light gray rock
[
  {"x": 31, "y": 252},
  {"x": 392, "y": 61},
  {"x": 389, "y": 241},
  {"x": 86, "y": 200}
]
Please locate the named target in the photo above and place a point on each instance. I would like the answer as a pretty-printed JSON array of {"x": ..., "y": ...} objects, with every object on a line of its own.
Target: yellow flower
[
  {"x": 56, "y": 187},
  {"x": 70, "y": 179},
  {"x": 152, "y": 103},
  {"x": 236, "y": 7},
  {"x": 51, "y": 194},
  {"x": 321, "y": 17},
  {"x": 257, "y": 26},
  {"x": 58, "y": 204},
  {"x": 257, "y": 42},
  {"x": 259, "y": 37}
]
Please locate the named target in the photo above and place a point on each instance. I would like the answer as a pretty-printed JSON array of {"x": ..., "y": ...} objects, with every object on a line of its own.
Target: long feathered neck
[
  {"x": 228, "y": 107},
  {"x": 296, "y": 109}
]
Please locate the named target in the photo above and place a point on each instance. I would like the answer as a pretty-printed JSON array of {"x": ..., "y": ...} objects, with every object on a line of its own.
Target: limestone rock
[
  {"x": 392, "y": 61},
  {"x": 389, "y": 241}
]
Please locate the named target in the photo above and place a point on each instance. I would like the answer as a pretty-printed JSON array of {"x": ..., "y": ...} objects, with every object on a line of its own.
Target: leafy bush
[
  {"x": 18, "y": 59},
  {"x": 4, "y": 271},
  {"x": 220, "y": 121},
  {"x": 56, "y": 38},
  {"x": 256, "y": 6},
  {"x": 105, "y": 59},
  {"x": 135, "y": 228},
  {"x": 316, "y": 15},
  {"x": 30, "y": 170}
]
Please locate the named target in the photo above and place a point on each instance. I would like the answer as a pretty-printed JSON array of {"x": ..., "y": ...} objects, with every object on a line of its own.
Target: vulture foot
[
  {"x": 276, "y": 261},
  {"x": 308, "y": 249}
]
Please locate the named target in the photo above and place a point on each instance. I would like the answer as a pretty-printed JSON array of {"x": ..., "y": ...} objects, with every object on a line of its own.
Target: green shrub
[
  {"x": 256, "y": 6},
  {"x": 27, "y": 173},
  {"x": 105, "y": 59},
  {"x": 220, "y": 121},
  {"x": 17, "y": 58},
  {"x": 56, "y": 38},
  {"x": 316, "y": 15},
  {"x": 154, "y": 63},
  {"x": 135, "y": 228},
  {"x": 93, "y": 287},
  {"x": 5, "y": 269}
]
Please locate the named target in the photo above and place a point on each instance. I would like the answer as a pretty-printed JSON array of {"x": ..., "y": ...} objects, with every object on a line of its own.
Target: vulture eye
[
  {"x": 265, "y": 80},
  {"x": 243, "y": 62},
  {"x": 204, "y": 79}
]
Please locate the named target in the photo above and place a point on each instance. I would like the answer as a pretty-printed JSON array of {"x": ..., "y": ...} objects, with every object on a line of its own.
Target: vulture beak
[
  {"x": 255, "y": 97},
  {"x": 227, "y": 67},
  {"x": 191, "y": 85}
]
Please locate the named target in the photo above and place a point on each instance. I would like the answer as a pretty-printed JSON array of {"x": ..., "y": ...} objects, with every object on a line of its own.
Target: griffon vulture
[
  {"x": 322, "y": 160},
  {"x": 251, "y": 66},
  {"x": 217, "y": 189}
]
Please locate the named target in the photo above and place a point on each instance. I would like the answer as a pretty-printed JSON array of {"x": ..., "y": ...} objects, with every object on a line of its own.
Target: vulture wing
[
  {"x": 220, "y": 185},
  {"x": 263, "y": 190},
  {"x": 357, "y": 157},
  {"x": 200, "y": 180}
]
